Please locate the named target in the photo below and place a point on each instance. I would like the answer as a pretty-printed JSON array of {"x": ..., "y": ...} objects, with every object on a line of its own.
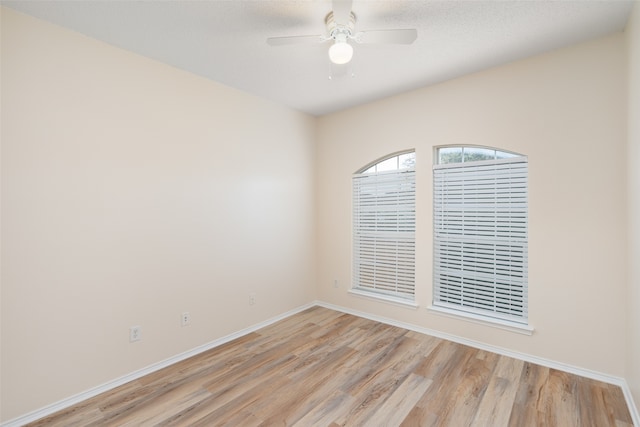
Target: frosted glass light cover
[{"x": 340, "y": 53}]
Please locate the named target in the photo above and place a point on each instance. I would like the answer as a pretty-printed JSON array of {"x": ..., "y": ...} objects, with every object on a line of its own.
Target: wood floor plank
[
  {"x": 75, "y": 418},
  {"x": 376, "y": 384},
  {"x": 471, "y": 388},
  {"x": 322, "y": 368},
  {"x": 222, "y": 407},
  {"x": 398, "y": 405},
  {"x": 289, "y": 405},
  {"x": 350, "y": 369},
  {"x": 525, "y": 411},
  {"x": 615, "y": 402},
  {"x": 438, "y": 401},
  {"x": 495, "y": 407},
  {"x": 327, "y": 410}
]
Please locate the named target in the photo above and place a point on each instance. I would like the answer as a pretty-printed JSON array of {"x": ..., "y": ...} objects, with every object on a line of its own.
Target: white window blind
[
  {"x": 384, "y": 233},
  {"x": 480, "y": 237}
]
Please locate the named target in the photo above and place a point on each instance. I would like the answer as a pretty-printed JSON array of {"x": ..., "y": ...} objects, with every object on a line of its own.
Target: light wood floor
[{"x": 325, "y": 368}]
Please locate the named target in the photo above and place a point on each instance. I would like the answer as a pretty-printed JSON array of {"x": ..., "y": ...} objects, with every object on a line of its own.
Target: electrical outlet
[
  {"x": 185, "y": 319},
  {"x": 135, "y": 333},
  {"x": 335, "y": 283},
  {"x": 252, "y": 298}
]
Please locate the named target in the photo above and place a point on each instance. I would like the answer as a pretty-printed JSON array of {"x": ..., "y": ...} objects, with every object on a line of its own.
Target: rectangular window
[
  {"x": 481, "y": 238},
  {"x": 384, "y": 233}
]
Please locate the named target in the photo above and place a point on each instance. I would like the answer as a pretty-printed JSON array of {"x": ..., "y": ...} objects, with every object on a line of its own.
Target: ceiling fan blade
[
  {"x": 283, "y": 41},
  {"x": 387, "y": 36},
  {"x": 342, "y": 11}
]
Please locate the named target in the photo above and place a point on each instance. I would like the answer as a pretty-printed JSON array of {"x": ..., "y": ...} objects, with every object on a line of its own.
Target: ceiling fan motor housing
[{"x": 340, "y": 31}]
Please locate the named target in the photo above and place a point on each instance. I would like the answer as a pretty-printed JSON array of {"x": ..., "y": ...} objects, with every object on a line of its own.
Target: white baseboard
[
  {"x": 73, "y": 400},
  {"x": 609, "y": 379}
]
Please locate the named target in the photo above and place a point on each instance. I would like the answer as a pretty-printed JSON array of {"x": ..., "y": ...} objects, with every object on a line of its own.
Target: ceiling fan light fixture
[
  {"x": 340, "y": 24},
  {"x": 340, "y": 52}
]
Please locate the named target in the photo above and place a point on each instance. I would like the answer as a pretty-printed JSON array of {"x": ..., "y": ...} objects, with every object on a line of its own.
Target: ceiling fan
[{"x": 340, "y": 24}]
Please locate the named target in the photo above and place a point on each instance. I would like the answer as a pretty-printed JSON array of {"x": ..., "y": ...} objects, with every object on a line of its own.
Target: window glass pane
[
  {"x": 372, "y": 169},
  {"x": 471, "y": 154},
  {"x": 399, "y": 162},
  {"x": 505, "y": 155},
  {"x": 407, "y": 161},
  {"x": 450, "y": 155},
  {"x": 388, "y": 165},
  {"x": 475, "y": 154}
]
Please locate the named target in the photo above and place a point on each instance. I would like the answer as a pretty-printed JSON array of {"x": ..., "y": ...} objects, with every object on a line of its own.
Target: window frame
[{"x": 461, "y": 310}]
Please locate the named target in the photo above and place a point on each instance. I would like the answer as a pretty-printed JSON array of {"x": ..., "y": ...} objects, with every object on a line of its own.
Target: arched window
[
  {"x": 480, "y": 224},
  {"x": 384, "y": 228}
]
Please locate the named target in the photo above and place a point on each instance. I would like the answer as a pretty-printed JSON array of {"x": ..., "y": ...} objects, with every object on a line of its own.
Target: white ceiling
[{"x": 225, "y": 40}]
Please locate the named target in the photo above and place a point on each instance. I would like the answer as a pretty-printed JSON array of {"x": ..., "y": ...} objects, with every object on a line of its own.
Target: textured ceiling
[{"x": 225, "y": 40}]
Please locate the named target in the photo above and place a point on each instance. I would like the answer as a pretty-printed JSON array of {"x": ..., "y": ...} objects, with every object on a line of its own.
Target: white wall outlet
[
  {"x": 252, "y": 298},
  {"x": 335, "y": 283},
  {"x": 135, "y": 333},
  {"x": 185, "y": 319}
]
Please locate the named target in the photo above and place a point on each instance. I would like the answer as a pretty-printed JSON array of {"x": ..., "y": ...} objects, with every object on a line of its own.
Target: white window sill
[
  {"x": 385, "y": 298},
  {"x": 481, "y": 320}
]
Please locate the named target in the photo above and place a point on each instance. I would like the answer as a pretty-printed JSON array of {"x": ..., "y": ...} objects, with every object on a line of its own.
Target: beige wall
[
  {"x": 566, "y": 111},
  {"x": 133, "y": 191},
  {"x": 633, "y": 322}
]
